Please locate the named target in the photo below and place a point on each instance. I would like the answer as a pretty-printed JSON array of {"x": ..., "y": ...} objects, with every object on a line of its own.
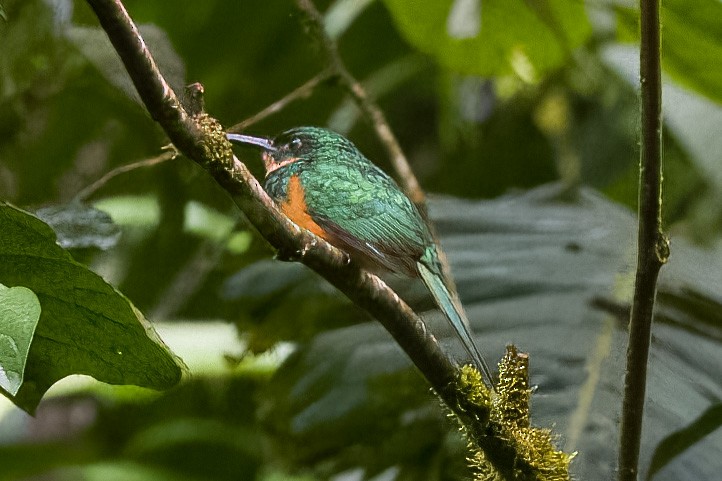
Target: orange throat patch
[{"x": 295, "y": 207}]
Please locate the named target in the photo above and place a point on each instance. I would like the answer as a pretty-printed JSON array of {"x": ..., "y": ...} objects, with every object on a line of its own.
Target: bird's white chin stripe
[{"x": 270, "y": 163}]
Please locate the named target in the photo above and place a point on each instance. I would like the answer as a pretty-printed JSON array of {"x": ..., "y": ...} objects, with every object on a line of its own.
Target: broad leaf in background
[
  {"x": 553, "y": 273},
  {"x": 19, "y": 314},
  {"x": 695, "y": 123},
  {"x": 691, "y": 42},
  {"x": 494, "y": 37},
  {"x": 284, "y": 301},
  {"x": 86, "y": 326},
  {"x": 94, "y": 44},
  {"x": 678, "y": 442},
  {"x": 80, "y": 226}
]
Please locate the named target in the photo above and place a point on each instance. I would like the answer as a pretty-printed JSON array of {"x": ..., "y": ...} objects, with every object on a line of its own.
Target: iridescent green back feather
[{"x": 349, "y": 196}]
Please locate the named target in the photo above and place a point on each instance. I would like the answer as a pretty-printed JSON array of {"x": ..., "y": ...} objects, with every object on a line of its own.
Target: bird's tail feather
[{"x": 454, "y": 312}]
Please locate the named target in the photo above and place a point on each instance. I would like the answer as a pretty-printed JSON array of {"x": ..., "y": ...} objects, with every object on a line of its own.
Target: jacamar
[{"x": 323, "y": 183}]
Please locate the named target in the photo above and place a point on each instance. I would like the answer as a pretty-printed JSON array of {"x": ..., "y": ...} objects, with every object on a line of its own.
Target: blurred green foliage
[{"x": 487, "y": 97}]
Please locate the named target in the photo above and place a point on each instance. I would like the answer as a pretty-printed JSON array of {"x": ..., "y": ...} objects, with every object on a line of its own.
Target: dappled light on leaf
[
  {"x": 80, "y": 226},
  {"x": 543, "y": 33},
  {"x": 19, "y": 314}
]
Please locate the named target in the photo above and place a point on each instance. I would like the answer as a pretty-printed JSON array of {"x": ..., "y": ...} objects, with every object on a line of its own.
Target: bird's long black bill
[{"x": 263, "y": 142}]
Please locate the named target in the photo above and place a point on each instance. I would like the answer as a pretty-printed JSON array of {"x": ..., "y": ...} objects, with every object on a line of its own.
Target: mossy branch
[
  {"x": 202, "y": 139},
  {"x": 505, "y": 446}
]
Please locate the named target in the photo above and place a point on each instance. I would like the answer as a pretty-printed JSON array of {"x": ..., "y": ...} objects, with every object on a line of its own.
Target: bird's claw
[
  {"x": 307, "y": 247},
  {"x": 295, "y": 255}
]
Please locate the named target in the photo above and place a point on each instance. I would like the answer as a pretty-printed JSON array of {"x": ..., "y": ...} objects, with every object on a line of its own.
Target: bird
[{"x": 323, "y": 183}]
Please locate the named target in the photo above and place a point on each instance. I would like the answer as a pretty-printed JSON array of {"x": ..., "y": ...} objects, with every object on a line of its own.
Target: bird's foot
[{"x": 295, "y": 255}]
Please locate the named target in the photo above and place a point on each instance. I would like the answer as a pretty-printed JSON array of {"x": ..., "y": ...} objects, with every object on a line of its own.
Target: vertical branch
[{"x": 653, "y": 246}]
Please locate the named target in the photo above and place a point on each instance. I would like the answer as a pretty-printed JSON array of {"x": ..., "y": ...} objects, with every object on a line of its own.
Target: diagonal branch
[
  {"x": 203, "y": 140},
  {"x": 652, "y": 244}
]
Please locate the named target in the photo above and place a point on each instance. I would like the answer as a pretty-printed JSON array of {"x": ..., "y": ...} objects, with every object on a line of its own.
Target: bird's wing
[{"x": 365, "y": 210}]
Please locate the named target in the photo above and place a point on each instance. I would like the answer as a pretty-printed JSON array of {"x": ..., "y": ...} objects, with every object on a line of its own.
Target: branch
[
  {"x": 652, "y": 244},
  {"x": 203, "y": 140},
  {"x": 98, "y": 184}
]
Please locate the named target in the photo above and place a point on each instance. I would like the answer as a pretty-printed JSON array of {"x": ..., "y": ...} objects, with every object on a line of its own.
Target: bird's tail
[{"x": 454, "y": 312}]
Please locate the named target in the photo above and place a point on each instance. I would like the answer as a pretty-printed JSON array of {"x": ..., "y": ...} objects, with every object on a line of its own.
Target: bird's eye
[{"x": 296, "y": 143}]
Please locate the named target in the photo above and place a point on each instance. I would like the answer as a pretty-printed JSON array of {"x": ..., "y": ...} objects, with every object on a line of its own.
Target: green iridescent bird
[{"x": 323, "y": 183}]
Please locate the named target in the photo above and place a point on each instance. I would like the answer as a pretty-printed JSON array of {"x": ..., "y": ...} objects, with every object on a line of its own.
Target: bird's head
[{"x": 310, "y": 144}]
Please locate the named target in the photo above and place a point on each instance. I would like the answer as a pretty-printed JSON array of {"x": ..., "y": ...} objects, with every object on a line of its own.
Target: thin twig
[
  {"x": 653, "y": 245},
  {"x": 383, "y": 130},
  {"x": 303, "y": 91},
  {"x": 98, "y": 184}
]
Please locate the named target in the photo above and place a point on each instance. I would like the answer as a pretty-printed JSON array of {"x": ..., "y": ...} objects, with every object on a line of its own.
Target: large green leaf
[
  {"x": 493, "y": 37},
  {"x": 86, "y": 326},
  {"x": 553, "y": 273}
]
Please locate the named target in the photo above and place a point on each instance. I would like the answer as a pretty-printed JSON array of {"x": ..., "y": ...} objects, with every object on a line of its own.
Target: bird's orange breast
[{"x": 296, "y": 209}]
